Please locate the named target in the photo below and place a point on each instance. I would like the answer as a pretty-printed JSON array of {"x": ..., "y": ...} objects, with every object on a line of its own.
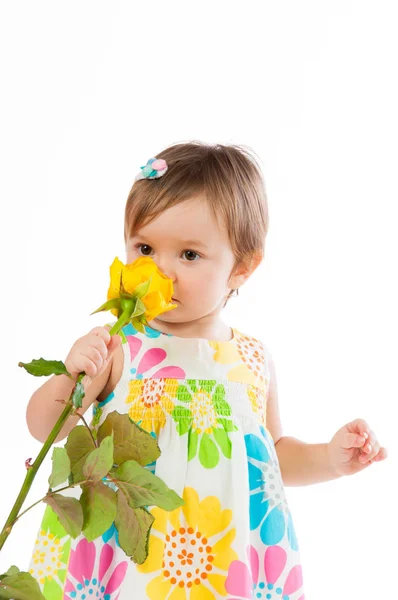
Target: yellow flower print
[
  {"x": 50, "y": 556},
  {"x": 46, "y": 563},
  {"x": 150, "y": 401},
  {"x": 250, "y": 355},
  {"x": 190, "y": 550},
  {"x": 258, "y": 403}
]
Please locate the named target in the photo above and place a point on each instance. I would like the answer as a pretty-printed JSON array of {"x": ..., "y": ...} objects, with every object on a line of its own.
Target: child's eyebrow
[{"x": 196, "y": 243}]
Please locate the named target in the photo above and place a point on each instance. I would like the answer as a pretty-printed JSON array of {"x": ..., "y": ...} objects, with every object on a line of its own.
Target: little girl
[{"x": 208, "y": 393}]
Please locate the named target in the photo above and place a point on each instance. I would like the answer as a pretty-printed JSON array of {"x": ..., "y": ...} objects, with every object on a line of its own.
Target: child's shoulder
[
  {"x": 247, "y": 337},
  {"x": 253, "y": 347}
]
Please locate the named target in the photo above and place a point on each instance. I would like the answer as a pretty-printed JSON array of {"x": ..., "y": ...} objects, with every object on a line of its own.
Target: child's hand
[
  {"x": 354, "y": 447},
  {"x": 92, "y": 352}
]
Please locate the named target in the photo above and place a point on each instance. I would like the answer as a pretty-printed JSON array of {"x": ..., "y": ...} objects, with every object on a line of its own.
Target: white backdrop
[{"x": 90, "y": 91}]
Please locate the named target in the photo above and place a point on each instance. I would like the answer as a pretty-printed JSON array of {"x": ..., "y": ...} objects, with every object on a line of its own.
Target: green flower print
[
  {"x": 51, "y": 556},
  {"x": 97, "y": 414},
  {"x": 202, "y": 412}
]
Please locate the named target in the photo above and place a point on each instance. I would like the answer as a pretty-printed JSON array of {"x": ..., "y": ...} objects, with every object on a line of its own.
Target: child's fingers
[
  {"x": 382, "y": 455},
  {"x": 366, "y": 441},
  {"x": 353, "y": 440},
  {"x": 371, "y": 450},
  {"x": 114, "y": 343},
  {"x": 359, "y": 426},
  {"x": 371, "y": 442},
  {"x": 102, "y": 332}
]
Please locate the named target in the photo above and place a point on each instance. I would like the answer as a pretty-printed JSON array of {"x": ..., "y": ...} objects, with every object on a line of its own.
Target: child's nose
[{"x": 167, "y": 268}]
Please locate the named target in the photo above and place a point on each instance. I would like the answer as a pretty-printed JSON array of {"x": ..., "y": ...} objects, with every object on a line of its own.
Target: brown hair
[{"x": 230, "y": 178}]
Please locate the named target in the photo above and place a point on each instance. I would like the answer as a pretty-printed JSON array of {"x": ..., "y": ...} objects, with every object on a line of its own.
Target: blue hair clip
[{"x": 155, "y": 167}]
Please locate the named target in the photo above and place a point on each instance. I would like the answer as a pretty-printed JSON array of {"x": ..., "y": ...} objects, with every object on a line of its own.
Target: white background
[{"x": 89, "y": 92}]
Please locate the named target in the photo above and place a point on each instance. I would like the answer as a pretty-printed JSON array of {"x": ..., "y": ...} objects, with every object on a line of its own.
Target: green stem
[
  {"x": 87, "y": 426},
  {"x": 121, "y": 322},
  {"x": 32, "y": 470},
  {"x": 66, "y": 487},
  {"x": 30, "y": 475}
]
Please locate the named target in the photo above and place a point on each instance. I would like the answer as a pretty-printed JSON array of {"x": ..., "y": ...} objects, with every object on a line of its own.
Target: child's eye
[
  {"x": 138, "y": 246},
  {"x": 190, "y": 254}
]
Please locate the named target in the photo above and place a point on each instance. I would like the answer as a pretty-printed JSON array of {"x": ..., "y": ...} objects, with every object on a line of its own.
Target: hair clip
[{"x": 155, "y": 167}]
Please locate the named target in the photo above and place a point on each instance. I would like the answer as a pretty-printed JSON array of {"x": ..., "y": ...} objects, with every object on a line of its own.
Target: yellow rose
[{"x": 126, "y": 278}]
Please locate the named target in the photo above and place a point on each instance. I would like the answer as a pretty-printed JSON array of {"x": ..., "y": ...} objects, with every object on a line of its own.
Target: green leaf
[
  {"x": 138, "y": 325},
  {"x": 113, "y": 303},
  {"x": 61, "y": 467},
  {"x": 142, "y": 488},
  {"x": 130, "y": 441},
  {"x": 100, "y": 461},
  {"x": 78, "y": 446},
  {"x": 133, "y": 525},
  {"x": 99, "y": 509},
  {"x": 11, "y": 571},
  {"x": 41, "y": 367},
  {"x": 97, "y": 413},
  {"x": 78, "y": 395},
  {"x": 142, "y": 288},
  {"x": 20, "y": 586},
  {"x": 69, "y": 512},
  {"x": 139, "y": 308}
]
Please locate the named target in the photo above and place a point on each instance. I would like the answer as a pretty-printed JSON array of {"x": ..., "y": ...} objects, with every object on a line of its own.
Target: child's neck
[{"x": 210, "y": 327}]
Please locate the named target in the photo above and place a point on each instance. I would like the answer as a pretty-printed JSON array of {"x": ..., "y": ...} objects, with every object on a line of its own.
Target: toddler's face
[{"x": 190, "y": 247}]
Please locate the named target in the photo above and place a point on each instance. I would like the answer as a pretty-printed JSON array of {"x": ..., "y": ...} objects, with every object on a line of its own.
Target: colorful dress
[{"x": 234, "y": 538}]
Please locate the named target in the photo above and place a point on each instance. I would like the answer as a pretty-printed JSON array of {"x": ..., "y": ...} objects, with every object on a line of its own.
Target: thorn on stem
[{"x": 27, "y": 463}]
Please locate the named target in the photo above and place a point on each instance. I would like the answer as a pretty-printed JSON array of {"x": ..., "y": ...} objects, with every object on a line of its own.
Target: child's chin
[{"x": 168, "y": 317}]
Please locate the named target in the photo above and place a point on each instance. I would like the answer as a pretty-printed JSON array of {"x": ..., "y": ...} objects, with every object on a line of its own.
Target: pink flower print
[
  {"x": 89, "y": 578},
  {"x": 150, "y": 359},
  {"x": 151, "y": 394},
  {"x": 275, "y": 560},
  {"x": 243, "y": 581}
]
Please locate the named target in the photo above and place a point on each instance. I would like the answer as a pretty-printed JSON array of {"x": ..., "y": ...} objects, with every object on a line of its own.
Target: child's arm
[
  {"x": 43, "y": 412},
  {"x": 93, "y": 354},
  {"x": 353, "y": 448},
  {"x": 300, "y": 463}
]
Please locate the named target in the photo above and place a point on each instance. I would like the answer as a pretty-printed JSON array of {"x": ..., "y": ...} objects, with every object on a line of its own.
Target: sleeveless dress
[{"x": 234, "y": 538}]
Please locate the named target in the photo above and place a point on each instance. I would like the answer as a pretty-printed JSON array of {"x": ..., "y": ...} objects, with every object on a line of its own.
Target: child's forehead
[
  {"x": 180, "y": 240},
  {"x": 189, "y": 222}
]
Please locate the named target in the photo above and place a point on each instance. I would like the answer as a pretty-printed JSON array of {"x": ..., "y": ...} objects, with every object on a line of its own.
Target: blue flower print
[
  {"x": 268, "y": 506},
  {"x": 149, "y": 332},
  {"x": 109, "y": 533}
]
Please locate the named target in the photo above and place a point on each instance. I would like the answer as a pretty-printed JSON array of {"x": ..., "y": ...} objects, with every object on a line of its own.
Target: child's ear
[{"x": 244, "y": 269}]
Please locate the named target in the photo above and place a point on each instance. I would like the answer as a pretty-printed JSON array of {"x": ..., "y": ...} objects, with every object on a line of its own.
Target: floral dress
[{"x": 234, "y": 538}]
